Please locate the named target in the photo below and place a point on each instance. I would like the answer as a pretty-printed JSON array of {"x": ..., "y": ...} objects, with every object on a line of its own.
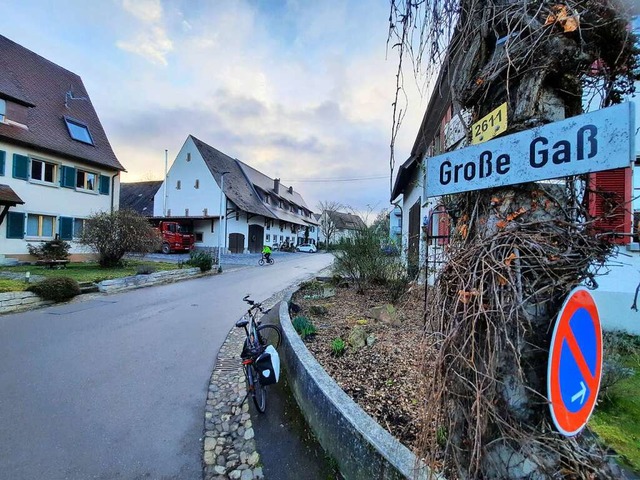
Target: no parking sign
[{"x": 575, "y": 363}]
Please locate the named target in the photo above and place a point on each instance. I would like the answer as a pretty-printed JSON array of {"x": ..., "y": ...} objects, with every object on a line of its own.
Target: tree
[
  {"x": 114, "y": 234},
  {"x": 515, "y": 251},
  {"x": 327, "y": 225}
]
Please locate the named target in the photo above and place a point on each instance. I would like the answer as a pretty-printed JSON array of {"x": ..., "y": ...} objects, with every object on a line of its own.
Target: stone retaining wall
[
  {"x": 18, "y": 301},
  {"x": 108, "y": 286},
  {"x": 362, "y": 448}
]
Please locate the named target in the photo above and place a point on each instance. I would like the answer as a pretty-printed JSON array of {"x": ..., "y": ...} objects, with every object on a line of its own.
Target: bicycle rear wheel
[
  {"x": 269, "y": 335},
  {"x": 259, "y": 392},
  {"x": 271, "y": 261}
]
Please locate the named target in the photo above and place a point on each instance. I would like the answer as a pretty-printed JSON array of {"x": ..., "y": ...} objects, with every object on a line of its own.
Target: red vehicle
[{"x": 173, "y": 238}]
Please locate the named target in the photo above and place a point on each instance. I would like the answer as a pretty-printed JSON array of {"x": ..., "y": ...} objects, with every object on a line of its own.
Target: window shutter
[
  {"x": 610, "y": 197},
  {"x": 15, "y": 225},
  {"x": 104, "y": 184},
  {"x": 68, "y": 177},
  {"x": 3, "y": 156},
  {"x": 20, "y": 166},
  {"x": 66, "y": 228}
]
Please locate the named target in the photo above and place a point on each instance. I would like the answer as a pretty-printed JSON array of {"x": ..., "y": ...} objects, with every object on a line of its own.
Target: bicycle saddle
[{"x": 243, "y": 322}]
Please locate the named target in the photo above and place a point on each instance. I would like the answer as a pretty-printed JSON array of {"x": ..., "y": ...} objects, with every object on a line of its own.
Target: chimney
[
  {"x": 276, "y": 185},
  {"x": 291, "y": 190}
]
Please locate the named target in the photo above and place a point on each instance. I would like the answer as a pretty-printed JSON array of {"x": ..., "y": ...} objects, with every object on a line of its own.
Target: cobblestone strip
[{"x": 229, "y": 445}]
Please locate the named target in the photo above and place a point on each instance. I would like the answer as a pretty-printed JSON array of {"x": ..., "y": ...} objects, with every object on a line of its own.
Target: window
[
  {"x": 178, "y": 185},
  {"x": 267, "y": 224},
  {"x": 281, "y": 238},
  {"x": 40, "y": 225},
  {"x": 78, "y": 131},
  {"x": 266, "y": 199},
  {"x": 78, "y": 227},
  {"x": 188, "y": 156},
  {"x": 3, "y": 109},
  {"x": 197, "y": 185},
  {"x": 199, "y": 236},
  {"x": 268, "y": 237},
  {"x": 43, "y": 171},
  {"x": 86, "y": 180}
]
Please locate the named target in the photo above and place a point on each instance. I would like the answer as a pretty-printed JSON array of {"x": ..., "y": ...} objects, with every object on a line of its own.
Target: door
[
  {"x": 236, "y": 243},
  {"x": 256, "y": 238}
]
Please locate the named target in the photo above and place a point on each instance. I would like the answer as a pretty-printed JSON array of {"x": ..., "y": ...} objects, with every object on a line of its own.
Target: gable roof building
[
  {"x": 256, "y": 209},
  {"x": 50, "y": 136},
  {"x": 138, "y": 196}
]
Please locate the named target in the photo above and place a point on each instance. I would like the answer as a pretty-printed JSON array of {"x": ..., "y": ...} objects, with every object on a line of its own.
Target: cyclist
[{"x": 266, "y": 252}]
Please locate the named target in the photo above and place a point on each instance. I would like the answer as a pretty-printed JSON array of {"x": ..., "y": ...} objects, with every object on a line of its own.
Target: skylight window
[{"x": 79, "y": 131}]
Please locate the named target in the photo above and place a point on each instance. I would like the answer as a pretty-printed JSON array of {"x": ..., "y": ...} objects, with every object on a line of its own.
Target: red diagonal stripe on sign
[{"x": 577, "y": 355}]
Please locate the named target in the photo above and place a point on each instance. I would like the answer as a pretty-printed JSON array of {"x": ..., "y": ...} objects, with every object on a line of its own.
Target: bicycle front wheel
[
  {"x": 269, "y": 335},
  {"x": 259, "y": 391}
]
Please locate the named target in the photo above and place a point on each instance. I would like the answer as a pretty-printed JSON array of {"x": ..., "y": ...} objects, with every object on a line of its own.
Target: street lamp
[{"x": 220, "y": 221}]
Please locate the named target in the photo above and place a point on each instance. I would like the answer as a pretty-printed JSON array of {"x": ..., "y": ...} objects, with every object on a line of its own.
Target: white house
[
  {"x": 228, "y": 203},
  {"x": 56, "y": 164},
  {"x": 342, "y": 226}
]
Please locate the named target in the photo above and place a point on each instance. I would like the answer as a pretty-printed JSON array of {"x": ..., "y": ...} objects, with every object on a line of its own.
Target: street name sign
[
  {"x": 575, "y": 363},
  {"x": 595, "y": 141}
]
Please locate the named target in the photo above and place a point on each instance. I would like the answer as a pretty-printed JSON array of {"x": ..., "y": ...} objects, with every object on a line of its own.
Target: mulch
[{"x": 383, "y": 378}]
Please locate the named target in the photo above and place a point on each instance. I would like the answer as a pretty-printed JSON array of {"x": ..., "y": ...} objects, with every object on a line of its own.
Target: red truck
[{"x": 173, "y": 238}]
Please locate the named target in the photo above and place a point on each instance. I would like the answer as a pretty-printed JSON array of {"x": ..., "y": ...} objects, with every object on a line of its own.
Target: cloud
[{"x": 152, "y": 42}]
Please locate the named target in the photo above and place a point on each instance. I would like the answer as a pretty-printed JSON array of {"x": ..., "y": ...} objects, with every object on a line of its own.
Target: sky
[{"x": 300, "y": 90}]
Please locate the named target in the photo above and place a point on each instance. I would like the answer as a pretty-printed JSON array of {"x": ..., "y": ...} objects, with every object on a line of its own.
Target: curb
[{"x": 361, "y": 447}]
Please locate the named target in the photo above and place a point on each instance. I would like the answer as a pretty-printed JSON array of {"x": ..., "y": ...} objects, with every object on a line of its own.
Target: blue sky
[{"x": 299, "y": 90}]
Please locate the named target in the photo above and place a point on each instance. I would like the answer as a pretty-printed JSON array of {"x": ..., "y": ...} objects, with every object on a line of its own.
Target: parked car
[{"x": 307, "y": 247}]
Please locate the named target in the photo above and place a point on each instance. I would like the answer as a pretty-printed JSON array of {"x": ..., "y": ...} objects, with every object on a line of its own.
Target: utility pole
[{"x": 221, "y": 216}]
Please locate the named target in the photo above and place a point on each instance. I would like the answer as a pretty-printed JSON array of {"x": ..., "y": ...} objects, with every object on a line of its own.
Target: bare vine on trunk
[{"x": 515, "y": 251}]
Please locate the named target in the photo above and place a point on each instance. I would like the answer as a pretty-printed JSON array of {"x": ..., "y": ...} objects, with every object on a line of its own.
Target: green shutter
[
  {"x": 66, "y": 228},
  {"x": 68, "y": 177},
  {"x": 104, "y": 184},
  {"x": 15, "y": 225},
  {"x": 20, "y": 166},
  {"x": 3, "y": 156}
]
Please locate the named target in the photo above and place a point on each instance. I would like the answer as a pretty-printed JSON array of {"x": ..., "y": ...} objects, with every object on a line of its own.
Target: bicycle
[
  {"x": 258, "y": 338},
  {"x": 264, "y": 259}
]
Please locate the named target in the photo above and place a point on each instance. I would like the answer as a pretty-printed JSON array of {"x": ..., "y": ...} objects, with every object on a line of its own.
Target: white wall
[
  {"x": 187, "y": 196},
  {"x": 52, "y": 199}
]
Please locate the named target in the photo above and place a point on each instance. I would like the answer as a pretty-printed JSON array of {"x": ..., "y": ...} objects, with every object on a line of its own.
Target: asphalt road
[{"x": 114, "y": 387}]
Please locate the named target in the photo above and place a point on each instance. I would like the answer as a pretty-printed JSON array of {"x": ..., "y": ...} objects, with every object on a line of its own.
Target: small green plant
[
  {"x": 338, "y": 347},
  {"x": 57, "y": 289},
  {"x": 442, "y": 436},
  {"x": 201, "y": 259},
  {"x": 304, "y": 327},
  {"x": 145, "y": 269},
  {"x": 51, "y": 250}
]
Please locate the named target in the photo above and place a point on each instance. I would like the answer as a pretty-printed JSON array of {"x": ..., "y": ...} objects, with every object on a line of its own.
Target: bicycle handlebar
[{"x": 253, "y": 304}]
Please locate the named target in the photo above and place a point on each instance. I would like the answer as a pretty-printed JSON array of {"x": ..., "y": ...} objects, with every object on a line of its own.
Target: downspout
[{"x": 113, "y": 189}]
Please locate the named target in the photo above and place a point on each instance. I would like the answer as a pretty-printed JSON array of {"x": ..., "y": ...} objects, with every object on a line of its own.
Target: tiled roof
[
  {"x": 138, "y": 196},
  {"x": 345, "y": 221},
  {"x": 8, "y": 196},
  {"x": 242, "y": 182},
  {"x": 237, "y": 187},
  {"x": 29, "y": 79}
]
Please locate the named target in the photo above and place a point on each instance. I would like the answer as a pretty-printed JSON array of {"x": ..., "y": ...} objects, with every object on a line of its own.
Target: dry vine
[{"x": 515, "y": 252}]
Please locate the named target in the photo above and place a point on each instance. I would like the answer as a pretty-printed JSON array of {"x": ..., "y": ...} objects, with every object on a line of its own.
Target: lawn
[
  {"x": 616, "y": 419},
  {"x": 89, "y": 271}
]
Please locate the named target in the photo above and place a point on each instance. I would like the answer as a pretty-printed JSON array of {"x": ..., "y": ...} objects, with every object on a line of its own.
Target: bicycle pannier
[{"x": 268, "y": 366}]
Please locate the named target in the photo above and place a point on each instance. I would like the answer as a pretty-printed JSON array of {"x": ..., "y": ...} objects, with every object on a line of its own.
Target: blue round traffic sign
[{"x": 575, "y": 363}]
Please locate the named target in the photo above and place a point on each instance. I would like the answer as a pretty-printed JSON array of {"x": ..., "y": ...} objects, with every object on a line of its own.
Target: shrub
[
  {"x": 145, "y": 269},
  {"x": 201, "y": 259},
  {"x": 51, "y": 250},
  {"x": 304, "y": 327},
  {"x": 616, "y": 346},
  {"x": 362, "y": 260},
  {"x": 337, "y": 347},
  {"x": 112, "y": 235},
  {"x": 57, "y": 289}
]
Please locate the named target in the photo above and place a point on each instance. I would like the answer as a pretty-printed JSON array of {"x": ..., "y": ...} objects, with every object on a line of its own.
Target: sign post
[
  {"x": 575, "y": 363},
  {"x": 595, "y": 141}
]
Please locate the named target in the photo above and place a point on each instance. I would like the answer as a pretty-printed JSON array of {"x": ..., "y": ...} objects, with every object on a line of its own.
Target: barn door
[{"x": 236, "y": 243}]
